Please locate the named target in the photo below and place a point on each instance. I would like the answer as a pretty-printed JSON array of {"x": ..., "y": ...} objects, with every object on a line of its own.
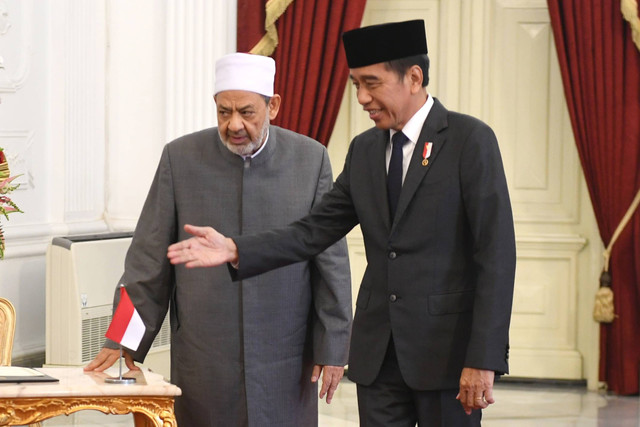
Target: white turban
[{"x": 244, "y": 71}]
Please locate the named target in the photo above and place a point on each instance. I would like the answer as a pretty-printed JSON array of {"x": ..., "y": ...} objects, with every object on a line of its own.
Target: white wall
[{"x": 89, "y": 94}]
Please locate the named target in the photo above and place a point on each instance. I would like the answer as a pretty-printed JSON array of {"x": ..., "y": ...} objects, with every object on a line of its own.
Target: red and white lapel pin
[{"x": 426, "y": 153}]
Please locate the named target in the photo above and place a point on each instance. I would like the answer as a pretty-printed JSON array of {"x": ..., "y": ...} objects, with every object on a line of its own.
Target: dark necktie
[{"x": 394, "y": 176}]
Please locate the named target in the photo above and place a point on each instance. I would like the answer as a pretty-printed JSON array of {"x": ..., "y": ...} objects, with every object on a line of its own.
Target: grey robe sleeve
[
  {"x": 331, "y": 284},
  {"x": 148, "y": 275}
]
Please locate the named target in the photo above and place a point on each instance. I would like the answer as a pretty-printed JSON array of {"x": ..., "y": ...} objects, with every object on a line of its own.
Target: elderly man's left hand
[
  {"x": 331, "y": 376},
  {"x": 476, "y": 389}
]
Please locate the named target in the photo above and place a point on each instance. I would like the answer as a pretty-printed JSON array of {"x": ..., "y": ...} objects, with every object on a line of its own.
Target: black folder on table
[{"x": 18, "y": 374}]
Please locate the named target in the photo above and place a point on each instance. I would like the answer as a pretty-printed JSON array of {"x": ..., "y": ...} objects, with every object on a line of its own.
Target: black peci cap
[{"x": 385, "y": 42}]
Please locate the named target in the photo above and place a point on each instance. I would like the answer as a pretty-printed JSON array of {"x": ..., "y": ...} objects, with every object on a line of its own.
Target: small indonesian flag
[{"x": 127, "y": 328}]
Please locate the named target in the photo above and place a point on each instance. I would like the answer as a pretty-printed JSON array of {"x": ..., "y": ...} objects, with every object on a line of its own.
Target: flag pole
[
  {"x": 120, "y": 364},
  {"x": 120, "y": 379}
]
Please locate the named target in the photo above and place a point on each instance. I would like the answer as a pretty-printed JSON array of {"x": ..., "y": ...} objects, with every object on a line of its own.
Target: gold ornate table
[{"x": 150, "y": 399}]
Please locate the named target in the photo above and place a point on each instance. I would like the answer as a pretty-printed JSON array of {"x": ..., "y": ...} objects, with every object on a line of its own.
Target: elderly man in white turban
[{"x": 248, "y": 353}]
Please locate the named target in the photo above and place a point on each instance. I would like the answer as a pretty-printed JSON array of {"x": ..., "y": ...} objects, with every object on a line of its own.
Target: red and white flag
[{"x": 126, "y": 328}]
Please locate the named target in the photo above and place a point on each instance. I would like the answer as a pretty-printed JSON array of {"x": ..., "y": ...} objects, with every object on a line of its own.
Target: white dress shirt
[{"x": 412, "y": 131}]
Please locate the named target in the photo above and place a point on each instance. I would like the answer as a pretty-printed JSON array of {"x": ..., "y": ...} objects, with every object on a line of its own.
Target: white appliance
[{"x": 82, "y": 275}]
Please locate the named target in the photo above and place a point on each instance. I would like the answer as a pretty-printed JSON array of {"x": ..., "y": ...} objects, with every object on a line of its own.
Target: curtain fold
[
  {"x": 311, "y": 68},
  {"x": 250, "y": 23},
  {"x": 600, "y": 68}
]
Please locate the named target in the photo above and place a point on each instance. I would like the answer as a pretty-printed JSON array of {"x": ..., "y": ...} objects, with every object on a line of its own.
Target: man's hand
[
  {"x": 476, "y": 389},
  {"x": 107, "y": 357},
  {"x": 207, "y": 249},
  {"x": 331, "y": 376}
]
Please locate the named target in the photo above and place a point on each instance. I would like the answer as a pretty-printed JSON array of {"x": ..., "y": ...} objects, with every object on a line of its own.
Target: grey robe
[{"x": 242, "y": 353}]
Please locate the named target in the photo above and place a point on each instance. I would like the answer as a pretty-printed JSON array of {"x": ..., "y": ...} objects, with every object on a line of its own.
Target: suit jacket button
[
  {"x": 393, "y": 255},
  {"x": 392, "y": 298}
]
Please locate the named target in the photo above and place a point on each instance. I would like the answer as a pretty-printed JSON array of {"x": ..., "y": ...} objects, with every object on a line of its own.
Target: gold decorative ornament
[{"x": 147, "y": 411}]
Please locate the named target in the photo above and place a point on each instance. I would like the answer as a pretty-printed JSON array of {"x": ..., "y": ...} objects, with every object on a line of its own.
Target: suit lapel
[{"x": 436, "y": 121}]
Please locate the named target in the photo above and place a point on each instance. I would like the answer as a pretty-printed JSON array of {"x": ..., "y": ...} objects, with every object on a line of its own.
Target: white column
[
  {"x": 84, "y": 110},
  {"x": 198, "y": 33}
]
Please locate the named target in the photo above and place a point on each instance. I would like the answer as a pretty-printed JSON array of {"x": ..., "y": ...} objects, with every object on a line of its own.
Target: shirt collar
[
  {"x": 414, "y": 126},
  {"x": 251, "y": 156}
]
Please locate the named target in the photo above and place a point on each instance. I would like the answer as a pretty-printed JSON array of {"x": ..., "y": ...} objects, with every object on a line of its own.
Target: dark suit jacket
[{"x": 440, "y": 277}]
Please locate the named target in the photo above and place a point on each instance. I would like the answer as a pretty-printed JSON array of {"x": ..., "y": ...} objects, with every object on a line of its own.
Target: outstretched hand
[{"x": 207, "y": 248}]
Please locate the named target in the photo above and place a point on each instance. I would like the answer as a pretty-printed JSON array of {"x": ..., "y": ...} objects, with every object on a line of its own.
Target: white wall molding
[
  {"x": 544, "y": 321},
  {"x": 563, "y": 242},
  {"x": 33, "y": 239},
  {"x": 17, "y": 147},
  {"x": 15, "y": 43},
  {"x": 528, "y": 113},
  {"x": 537, "y": 363},
  {"x": 121, "y": 223}
]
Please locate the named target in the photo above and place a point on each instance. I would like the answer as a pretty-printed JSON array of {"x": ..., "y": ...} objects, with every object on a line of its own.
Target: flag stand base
[
  {"x": 120, "y": 379},
  {"x": 123, "y": 380}
]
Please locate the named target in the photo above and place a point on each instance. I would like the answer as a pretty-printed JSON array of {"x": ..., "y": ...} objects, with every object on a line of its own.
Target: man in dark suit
[{"x": 427, "y": 187}]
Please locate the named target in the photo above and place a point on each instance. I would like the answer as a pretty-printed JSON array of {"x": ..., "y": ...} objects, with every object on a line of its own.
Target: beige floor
[{"x": 516, "y": 405}]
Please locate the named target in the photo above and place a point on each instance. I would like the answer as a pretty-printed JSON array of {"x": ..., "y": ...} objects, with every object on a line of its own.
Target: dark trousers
[{"x": 389, "y": 402}]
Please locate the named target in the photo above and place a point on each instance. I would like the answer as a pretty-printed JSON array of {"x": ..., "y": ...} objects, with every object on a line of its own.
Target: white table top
[{"x": 74, "y": 382}]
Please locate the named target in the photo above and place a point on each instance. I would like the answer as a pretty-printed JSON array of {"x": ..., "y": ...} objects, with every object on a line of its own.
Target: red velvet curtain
[
  {"x": 250, "y": 28},
  {"x": 311, "y": 68},
  {"x": 600, "y": 68}
]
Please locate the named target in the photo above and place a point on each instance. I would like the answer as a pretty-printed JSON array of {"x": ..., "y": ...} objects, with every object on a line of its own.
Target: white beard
[{"x": 252, "y": 146}]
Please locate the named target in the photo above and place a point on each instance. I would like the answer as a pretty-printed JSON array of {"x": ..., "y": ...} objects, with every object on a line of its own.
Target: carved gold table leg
[
  {"x": 140, "y": 420},
  {"x": 148, "y": 411}
]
